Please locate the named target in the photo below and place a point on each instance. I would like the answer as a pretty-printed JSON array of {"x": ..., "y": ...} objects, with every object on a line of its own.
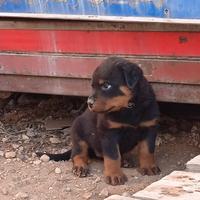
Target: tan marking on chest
[{"x": 112, "y": 124}]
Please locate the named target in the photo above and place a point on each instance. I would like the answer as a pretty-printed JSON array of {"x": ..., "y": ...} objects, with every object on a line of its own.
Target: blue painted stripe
[{"x": 182, "y": 9}]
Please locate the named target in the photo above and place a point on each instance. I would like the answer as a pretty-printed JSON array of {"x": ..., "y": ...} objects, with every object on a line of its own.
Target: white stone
[
  {"x": 25, "y": 137},
  {"x": 87, "y": 195},
  {"x": 37, "y": 162},
  {"x": 44, "y": 158},
  {"x": 104, "y": 193},
  {"x": 1, "y": 153},
  {"x": 54, "y": 140},
  {"x": 10, "y": 154},
  {"x": 58, "y": 170},
  {"x": 21, "y": 195}
]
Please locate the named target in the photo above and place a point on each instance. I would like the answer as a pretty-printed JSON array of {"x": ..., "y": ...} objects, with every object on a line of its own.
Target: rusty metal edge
[
  {"x": 81, "y": 87},
  {"x": 49, "y": 24}
]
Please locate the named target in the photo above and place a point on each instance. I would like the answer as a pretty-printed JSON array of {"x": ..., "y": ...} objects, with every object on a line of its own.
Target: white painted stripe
[{"x": 101, "y": 18}]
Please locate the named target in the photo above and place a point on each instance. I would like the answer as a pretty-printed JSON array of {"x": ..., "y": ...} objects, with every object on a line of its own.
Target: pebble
[
  {"x": 104, "y": 193},
  {"x": 4, "y": 191},
  {"x": 25, "y": 137},
  {"x": 158, "y": 141},
  {"x": 1, "y": 153},
  {"x": 21, "y": 195},
  {"x": 87, "y": 195},
  {"x": 44, "y": 158},
  {"x": 15, "y": 146},
  {"x": 58, "y": 170},
  {"x": 4, "y": 140},
  {"x": 30, "y": 132},
  {"x": 126, "y": 194},
  {"x": 54, "y": 140},
  {"x": 97, "y": 180},
  {"x": 37, "y": 162},
  {"x": 179, "y": 163},
  {"x": 68, "y": 189},
  {"x": 10, "y": 154}
]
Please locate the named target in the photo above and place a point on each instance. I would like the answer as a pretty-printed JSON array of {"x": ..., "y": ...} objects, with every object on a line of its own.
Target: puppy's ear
[{"x": 132, "y": 74}]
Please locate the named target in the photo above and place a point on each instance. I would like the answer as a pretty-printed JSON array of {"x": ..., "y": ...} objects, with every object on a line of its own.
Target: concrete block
[
  {"x": 179, "y": 185},
  {"x": 118, "y": 197},
  {"x": 194, "y": 164}
]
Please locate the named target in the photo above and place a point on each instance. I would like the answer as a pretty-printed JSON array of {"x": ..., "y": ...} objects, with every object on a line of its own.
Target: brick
[
  {"x": 179, "y": 185},
  {"x": 193, "y": 164}
]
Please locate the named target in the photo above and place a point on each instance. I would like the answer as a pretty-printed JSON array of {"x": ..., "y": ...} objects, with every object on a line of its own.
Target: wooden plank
[
  {"x": 156, "y": 70},
  {"x": 101, "y": 42}
]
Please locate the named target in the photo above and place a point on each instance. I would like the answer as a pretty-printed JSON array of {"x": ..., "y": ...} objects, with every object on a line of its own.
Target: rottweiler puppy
[{"x": 122, "y": 114}]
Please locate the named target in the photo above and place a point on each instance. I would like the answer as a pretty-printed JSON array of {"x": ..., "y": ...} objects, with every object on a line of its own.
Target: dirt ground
[{"x": 30, "y": 123}]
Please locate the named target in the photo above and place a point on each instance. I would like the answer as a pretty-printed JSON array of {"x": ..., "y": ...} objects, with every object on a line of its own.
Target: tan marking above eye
[{"x": 101, "y": 81}]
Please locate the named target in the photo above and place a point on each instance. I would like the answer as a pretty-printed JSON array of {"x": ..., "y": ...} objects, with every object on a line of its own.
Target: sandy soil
[{"x": 35, "y": 122}]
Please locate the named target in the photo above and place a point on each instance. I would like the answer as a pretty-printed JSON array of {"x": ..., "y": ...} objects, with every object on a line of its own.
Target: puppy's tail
[{"x": 57, "y": 157}]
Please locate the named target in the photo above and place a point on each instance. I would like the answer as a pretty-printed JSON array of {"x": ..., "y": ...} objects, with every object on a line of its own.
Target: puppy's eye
[{"x": 106, "y": 86}]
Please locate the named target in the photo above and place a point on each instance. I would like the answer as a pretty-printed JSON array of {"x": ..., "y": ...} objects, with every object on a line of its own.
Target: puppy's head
[{"x": 113, "y": 85}]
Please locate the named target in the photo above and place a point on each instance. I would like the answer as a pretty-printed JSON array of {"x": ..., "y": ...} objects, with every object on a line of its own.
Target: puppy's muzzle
[{"x": 91, "y": 101}]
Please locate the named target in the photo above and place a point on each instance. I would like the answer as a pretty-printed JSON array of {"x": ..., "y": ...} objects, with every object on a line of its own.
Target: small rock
[
  {"x": 68, "y": 189},
  {"x": 98, "y": 179},
  {"x": 21, "y": 148},
  {"x": 172, "y": 138},
  {"x": 196, "y": 143},
  {"x": 104, "y": 193},
  {"x": 10, "y": 154},
  {"x": 34, "y": 155},
  {"x": 4, "y": 191},
  {"x": 4, "y": 140},
  {"x": 25, "y": 137},
  {"x": 37, "y": 162},
  {"x": 158, "y": 141},
  {"x": 21, "y": 195},
  {"x": 87, "y": 195},
  {"x": 126, "y": 194},
  {"x": 179, "y": 163},
  {"x": 58, "y": 170},
  {"x": 1, "y": 153},
  {"x": 44, "y": 158},
  {"x": 30, "y": 132},
  {"x": 167, "y": 136},
  {"x": 54, "y": 140},
  {"x": 15, "y": 146}
]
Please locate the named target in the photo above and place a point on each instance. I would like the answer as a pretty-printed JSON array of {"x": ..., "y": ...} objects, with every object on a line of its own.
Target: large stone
[
  {"x": 179, "y": 185},
  {"x": 193, "y": 164}
]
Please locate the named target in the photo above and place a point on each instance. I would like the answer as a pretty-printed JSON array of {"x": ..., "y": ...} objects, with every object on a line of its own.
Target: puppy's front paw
[
  {"x": 116, "y": 178},
  {"x": 80, "y": 171},
  {"x": 150, "y": 171}
]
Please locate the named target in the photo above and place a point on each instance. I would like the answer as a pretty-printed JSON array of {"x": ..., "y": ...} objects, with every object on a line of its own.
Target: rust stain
[{"x": 183, "y": 39}]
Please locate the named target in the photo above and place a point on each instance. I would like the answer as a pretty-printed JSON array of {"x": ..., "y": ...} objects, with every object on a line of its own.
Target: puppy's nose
[{"x": 90, "y": 101}]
